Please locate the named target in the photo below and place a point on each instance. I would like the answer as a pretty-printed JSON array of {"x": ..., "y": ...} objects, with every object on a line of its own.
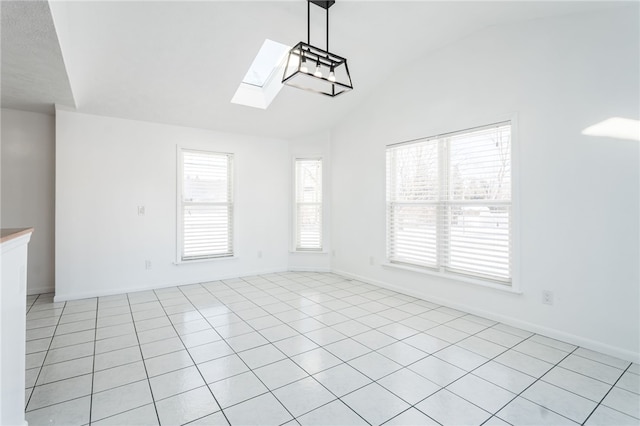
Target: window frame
[
  {"x": 179, "y": 206},
  {"x": 441, "y": 270},
  {"x": 294, "y": 205}
]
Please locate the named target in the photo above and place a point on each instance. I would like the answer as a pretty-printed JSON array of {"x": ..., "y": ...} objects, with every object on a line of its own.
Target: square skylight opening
[{"x": 263, "y": 82}]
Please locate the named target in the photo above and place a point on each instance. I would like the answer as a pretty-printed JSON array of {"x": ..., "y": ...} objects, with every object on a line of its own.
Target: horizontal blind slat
[
  {"x": 448, "y": 202},
  {"x": 207, "y": 207},
  {"x": 308, "y": 199}
]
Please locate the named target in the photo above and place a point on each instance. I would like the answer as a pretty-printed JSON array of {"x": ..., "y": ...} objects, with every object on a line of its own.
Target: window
[
  {"x": 205, "y": 205},
  {"x": 449, "y": 203},
  {"x": 308, "y": 204}
]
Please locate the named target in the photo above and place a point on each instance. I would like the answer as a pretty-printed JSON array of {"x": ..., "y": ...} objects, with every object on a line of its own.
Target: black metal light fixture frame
[{"x": 338, "y": 79}]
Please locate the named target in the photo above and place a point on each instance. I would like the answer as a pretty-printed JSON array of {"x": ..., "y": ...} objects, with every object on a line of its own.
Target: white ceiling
[
  {"x": 180, "y": 62},
  {"x": 33, "y": 72}
]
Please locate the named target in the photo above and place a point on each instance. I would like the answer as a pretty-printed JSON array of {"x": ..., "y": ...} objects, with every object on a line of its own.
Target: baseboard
[
  {"x": 112, "y": 291},
  {"x": 33, "y": 290},
  {"x": 508, "y": 320},
  {"x": 303, "y": 269}
]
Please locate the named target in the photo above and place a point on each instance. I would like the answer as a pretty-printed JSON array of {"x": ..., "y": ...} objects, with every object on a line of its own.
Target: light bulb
[
  {"x": 303, "y": 65},
  {"x": 332, "y": 75},
  {"x": 318, "y": 73}
]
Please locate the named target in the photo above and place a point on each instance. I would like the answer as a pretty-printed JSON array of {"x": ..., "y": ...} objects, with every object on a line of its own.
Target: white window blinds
[
  {"x": 308, "y": 204},
  {"x": 449, "y": 203},
  {"x": 206, "y": 205}
]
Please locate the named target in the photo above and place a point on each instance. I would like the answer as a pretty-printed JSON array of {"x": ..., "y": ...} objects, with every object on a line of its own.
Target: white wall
[
  {"x": 314, "y": 145},
  {"x": 107, "y": 167},
  {"x": 579, "y": 195},
  {"x": 28, "y": 198}
]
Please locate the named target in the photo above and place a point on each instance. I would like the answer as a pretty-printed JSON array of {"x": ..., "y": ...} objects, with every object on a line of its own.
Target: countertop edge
[{"x": 8, "y": 234}]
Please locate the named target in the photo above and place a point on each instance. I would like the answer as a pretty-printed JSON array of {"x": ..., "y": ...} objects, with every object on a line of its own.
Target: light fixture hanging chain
[
  {"x": 327, "y": 29},
  {"x": 308, "y": 22}
]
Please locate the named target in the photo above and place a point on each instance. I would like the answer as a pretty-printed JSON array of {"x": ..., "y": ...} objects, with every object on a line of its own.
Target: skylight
[
  {"x": 268, "y": 58},
  {"x": 262, "y": 82}
]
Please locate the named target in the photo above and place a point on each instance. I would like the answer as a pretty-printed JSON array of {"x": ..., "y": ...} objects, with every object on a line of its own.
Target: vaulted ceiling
[{"x": 180, "y": 62}]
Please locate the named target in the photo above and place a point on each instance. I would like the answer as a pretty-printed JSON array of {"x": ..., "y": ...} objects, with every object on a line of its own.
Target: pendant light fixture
[{"x": 330, "y": 76}]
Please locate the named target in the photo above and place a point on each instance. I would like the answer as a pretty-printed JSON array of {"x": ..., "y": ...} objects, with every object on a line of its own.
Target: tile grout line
[
  {"x": 507, "y": 348},
  {"x": 93, "y": 360},
  {"x": 39, "y": 368},
  {"x": 513, "y": 347},
  {"x": 557, "y": 365},
  {"x": 464, "y": 375},
  {"x": 269, "y": 390},
  {"x": 431, "y": 354},
  {"x": 250, "y": 283},
  {"x": 42, "y": 365},
  {"x": 598, "y": 404},
  {"x": 192, "y": 360},
  {"x": 376, "y": 351},
  {"x": 61, "y": 380},
  {"x": 533, "y": 383},
  {"x": 337, "y": 398},
  {"x": 347, "y": 336},
  {"x": 115, "y": 387},
  {"x": 32, "y": 303},
  {"x": 445, "y": 361},
  {"x": 299, "y": 292},
  {"x": 289, "y": 383},
  {"x": 537, "y": 379},
  {"x": 144, "y": 365},
  {"x": 266, "y": 344},
  {"x": 469, "y": 372}
]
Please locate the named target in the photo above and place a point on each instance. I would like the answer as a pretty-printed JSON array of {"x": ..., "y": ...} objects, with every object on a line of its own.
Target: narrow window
[
  {"x": 308, "y": 204},
  {"x": 449, "y": 203},
  {"x": 206, "y": 205}
]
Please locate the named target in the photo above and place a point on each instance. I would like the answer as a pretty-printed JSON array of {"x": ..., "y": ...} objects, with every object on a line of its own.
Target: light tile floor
[{"x": 309, "y": 349}]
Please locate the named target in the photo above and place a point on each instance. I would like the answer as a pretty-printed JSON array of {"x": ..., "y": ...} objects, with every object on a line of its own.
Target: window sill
[
  {"x": 211, "y": 259},
  {"x": 458, "y": 278}
]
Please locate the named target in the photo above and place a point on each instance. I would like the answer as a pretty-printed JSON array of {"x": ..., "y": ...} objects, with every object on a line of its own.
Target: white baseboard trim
[
  {"x": 33, "y": 290},
  {"x": 63, "y": 297},
  {"x": 508, "y": 320},
  {"x": 302, "y": 269}
]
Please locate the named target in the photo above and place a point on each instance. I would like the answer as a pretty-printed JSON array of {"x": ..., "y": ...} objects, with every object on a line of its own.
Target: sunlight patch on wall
[{"x": 617, "y": 128}]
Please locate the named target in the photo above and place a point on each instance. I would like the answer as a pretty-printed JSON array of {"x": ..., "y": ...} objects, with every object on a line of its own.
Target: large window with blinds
[
  {"x": 205, "y": 199},
  {"x": 308, "y": 204},
  {"x": 449, "y": 203}
]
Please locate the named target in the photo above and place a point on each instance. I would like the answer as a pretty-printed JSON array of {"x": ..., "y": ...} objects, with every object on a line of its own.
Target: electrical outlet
[
  {"x": 140, "y": 210},
  {"x": 333, "y": 253},
  {"x": 547, "y": 297},
  {"x": 259, "y": 254},
  {"x": 147, "y": 264},
  {"x": 371, "y": 260}
]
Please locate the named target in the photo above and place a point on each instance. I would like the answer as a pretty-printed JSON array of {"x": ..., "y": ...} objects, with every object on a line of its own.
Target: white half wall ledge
[
  {"x": 64, "y": 297},
  {"x": 508, "y": 320}
]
